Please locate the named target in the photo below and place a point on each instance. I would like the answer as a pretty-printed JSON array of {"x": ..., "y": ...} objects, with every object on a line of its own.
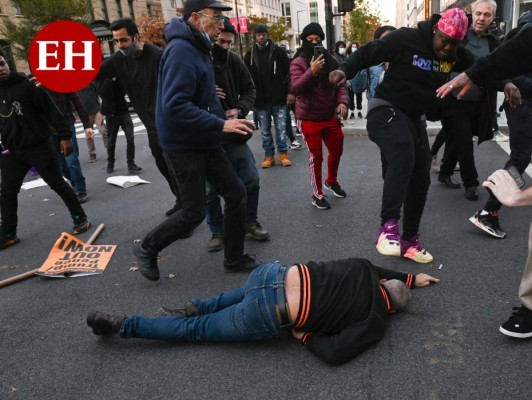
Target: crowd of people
[{"x": 194, "y": 98}]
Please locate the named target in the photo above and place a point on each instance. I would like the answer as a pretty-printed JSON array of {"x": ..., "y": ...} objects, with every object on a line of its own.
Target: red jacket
[{"x": 313, "y": 102}]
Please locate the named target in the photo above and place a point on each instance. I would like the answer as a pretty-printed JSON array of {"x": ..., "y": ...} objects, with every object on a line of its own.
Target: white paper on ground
[
  {"x": 125, "y": 181},
  {"x": 33, "y": 184}
]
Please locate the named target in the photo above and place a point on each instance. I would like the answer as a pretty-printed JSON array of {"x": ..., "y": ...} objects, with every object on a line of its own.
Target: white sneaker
[
  {"x": 500, "y": 137},
  {"x": 435, "y": 165},
  {"x": 295, "y": 145}
]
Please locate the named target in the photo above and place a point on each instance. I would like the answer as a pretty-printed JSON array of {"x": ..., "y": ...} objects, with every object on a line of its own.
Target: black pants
[
  {"x": 15, "y": 166},
  {"x": 191, "y": 169},
  {"x": 406, "y": 159},
  {"x": 520, "y": 125},
  {"x": 461, "y": 126},
  {"x": 114, "y": 123},
  {"x": 157, "y": 153}
]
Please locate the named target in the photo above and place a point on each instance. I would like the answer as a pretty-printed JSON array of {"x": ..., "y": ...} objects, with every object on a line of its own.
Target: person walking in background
[
  {"x": 269, "y": 67},
  {"x": 67, "y": 103},
  {"x": 237, "y": 95},
  {"x": 27, "y": 113},
  {"x": 317, "y": 104},
  {"x": 89, "y": 97},
  {"x": 115, "y": 109},
  {"x": 136, "y": 65}
]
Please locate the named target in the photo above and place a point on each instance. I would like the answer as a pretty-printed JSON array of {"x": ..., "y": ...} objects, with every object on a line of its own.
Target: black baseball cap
[{"x": 198, "y": 5}]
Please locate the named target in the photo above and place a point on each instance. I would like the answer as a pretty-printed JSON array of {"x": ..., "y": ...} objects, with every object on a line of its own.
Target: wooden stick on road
[{"x": 30, "y": 274}]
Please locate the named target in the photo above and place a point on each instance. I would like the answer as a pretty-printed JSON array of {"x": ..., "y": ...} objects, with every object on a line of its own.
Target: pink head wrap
[{"x": 453, "y": 23}]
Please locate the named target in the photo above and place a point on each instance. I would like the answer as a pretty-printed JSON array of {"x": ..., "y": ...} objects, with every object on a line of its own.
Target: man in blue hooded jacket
[{"x": 191, "y": 123}]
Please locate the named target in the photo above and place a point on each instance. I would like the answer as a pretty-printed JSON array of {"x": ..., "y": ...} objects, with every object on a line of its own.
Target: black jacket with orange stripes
[{"x": 343, "y": 307}]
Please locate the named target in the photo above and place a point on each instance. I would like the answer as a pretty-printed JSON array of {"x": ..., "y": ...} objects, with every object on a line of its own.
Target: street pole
[
  {"x": 238, "y": 30},
  {"x": 297, "y": 15},
  {"x": 329, "y": 28},
  {"x": 435, "y": 6}
]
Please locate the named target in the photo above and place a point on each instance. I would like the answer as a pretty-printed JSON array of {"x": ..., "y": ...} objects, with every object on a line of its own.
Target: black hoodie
[
  {"x": 415, "y": 71},
  {"x": 26, "y": 112}
]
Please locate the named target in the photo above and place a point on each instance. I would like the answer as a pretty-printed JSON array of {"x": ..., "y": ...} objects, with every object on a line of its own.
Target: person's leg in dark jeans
[
  {"x": 113, "y": 125},
  {"x": 438, "y": 143},
  {"x": 129, "y": 131},
  {"x": 519, "y": 122},
  {"x": 359, "y": 104}
]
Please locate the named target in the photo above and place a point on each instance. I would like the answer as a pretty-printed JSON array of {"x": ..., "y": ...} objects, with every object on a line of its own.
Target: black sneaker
[
  {"x": 257, "y": 232},
  {"x": 81, "y": 227},
  {"x": 488, "y": 223},
  {"x": 133, "y": 168},
  {"x": 322, "y": 204},
  {"x": 471, "y": 193},
  {"x": 519, "y": 325},
  {"x": 104, "y": 324},
  {"x": 110, "y": 168},
  {"x": 8, "y": 240},
  {"x": 190, "y": 310},
  {"x": 242, "y": 264},
  {"x": 336, "y": 189},
  {"x": 147, "y": 263}
]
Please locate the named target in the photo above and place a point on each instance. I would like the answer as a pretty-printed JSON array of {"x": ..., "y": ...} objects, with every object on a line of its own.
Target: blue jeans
[
  {"x": 238, "y": 315},
  {"x": 279, "y": 120},
  {"x": 70, "y": 166},
  {"x": 243, "y": 162}
]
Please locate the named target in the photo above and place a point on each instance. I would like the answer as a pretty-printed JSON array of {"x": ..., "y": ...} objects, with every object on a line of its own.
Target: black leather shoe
[
  {"x": 243, "y": 263},
  {"x": 104, "y": 324},
  {"x": 471, "y": 193},
  {"x": 147, "y": 263},
  {"x": 448, "y": 181}
]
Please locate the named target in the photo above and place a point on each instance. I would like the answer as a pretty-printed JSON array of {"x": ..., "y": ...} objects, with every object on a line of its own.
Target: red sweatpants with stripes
[{"x": 330, "y": 132}]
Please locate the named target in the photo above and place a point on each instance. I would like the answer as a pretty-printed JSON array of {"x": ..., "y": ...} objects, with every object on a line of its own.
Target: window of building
[
  {"x": 313, "y": 11},
  {"x": 105, "y": 14},
  {"x": 18, "y": 13},
  {"x": 119, "y": 9},
  {"x": 9, "y": 55},
  {"x": 131, "y": 10}
]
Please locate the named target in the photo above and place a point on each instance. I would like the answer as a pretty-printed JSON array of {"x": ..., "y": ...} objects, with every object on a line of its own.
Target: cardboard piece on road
[
  {"x": 125, "y": 181},
  {"x": 70, "y": 257},
  {"x": 34, "y": 184}
]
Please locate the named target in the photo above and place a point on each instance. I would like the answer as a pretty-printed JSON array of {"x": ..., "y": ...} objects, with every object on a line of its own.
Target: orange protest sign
[{"x": 71, "y": 257}]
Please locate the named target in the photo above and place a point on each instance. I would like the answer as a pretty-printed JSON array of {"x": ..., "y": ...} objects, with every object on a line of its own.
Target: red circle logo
[{"x": 65, "y": 56}]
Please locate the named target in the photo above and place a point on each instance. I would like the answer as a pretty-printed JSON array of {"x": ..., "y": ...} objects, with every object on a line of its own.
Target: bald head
[{"x": 399, "y": 293}]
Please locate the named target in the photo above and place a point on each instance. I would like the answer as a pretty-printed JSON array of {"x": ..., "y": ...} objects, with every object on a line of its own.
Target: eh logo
[{"x": 65, "y": 56}]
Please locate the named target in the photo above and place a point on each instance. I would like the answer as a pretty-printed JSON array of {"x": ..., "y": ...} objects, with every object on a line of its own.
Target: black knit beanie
[{"x": 312, "y": 29}]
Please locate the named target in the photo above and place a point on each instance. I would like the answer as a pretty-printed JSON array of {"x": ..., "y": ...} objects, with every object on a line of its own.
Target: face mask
[
  {"x": 130, "y": 51},
  {"x": 354, "y": 48},
  {"x": 206, "y": 35},
  {"x": 341, "y": 51},
  {"x": 219, "y": 54}
]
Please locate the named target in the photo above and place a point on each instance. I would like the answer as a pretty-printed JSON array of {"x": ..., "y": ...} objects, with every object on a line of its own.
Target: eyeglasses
[{"x": 216, "y": 18}]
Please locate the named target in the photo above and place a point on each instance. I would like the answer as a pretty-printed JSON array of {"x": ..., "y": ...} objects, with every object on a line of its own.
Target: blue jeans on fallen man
[{"x": 239, "y": 315}]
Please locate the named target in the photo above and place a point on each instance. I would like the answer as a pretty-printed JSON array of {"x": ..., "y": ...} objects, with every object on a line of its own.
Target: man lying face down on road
[{"x": 336, "y": 308}]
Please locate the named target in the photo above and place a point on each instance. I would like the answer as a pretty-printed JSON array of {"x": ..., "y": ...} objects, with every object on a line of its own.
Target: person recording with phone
[{"x": 317, "y": 103}]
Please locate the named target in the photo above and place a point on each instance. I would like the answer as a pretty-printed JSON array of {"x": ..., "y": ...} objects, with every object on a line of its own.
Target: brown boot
[
  {"x": 283, "y": 158},
  {"x": 268, "y": 162}
]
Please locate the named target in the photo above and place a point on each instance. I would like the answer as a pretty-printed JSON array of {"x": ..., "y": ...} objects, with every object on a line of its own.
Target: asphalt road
[{"x": 445, "y": 346}]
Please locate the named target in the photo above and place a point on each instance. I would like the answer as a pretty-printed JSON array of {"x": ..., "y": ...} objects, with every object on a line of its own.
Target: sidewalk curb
[{"x": 432, "y": 130}]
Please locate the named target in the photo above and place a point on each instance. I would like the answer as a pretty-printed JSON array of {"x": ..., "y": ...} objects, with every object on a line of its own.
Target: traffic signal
[{"x": 345, "y": 5}]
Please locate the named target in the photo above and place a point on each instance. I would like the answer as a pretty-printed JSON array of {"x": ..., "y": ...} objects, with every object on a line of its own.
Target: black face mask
[{"x": 219, "y": 54}]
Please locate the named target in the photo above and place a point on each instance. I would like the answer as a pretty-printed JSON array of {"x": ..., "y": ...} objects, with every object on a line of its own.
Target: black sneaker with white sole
[
  {"x": 321, "y": 204},
  {"x": 489, "y": 223},
  {"x": 519, "y": 325},
  {"x": 336, "y": 189}
]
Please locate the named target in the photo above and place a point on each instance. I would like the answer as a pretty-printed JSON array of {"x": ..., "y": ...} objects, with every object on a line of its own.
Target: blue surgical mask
[{"x": 206, "y": 35}]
